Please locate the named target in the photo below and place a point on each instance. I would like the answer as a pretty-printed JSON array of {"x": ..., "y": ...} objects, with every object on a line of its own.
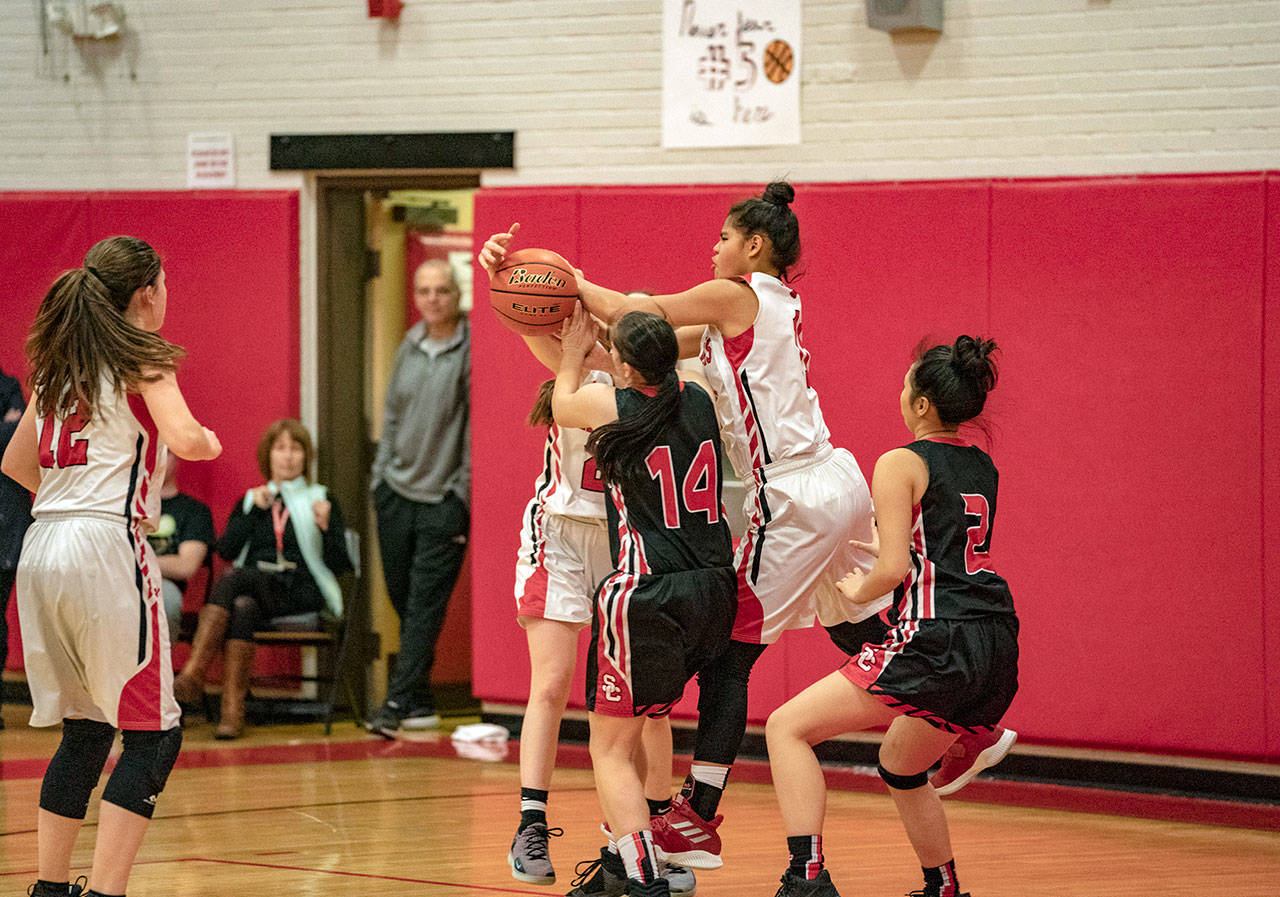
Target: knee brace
[
  {"x": 142, "y": 770},
  {"x": 76, "y": 766},
  {"x": 903, "y": 783}
]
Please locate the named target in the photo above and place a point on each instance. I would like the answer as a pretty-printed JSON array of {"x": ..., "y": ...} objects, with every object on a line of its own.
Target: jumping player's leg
[
  {"x": 552, "y": 657},
  {"x": 722, "y": 723},
  {"x": 64, "y": 794}
]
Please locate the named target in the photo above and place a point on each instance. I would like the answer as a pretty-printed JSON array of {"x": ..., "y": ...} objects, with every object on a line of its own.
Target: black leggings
[
  {"x": 253, "y": 598},
  {"x": 722, "y": 686}
]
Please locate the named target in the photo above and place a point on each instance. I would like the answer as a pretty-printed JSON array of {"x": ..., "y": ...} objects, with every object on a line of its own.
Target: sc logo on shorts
[
  {"x": 610, "y": 688},
  {"x": 867, "y": 659}
]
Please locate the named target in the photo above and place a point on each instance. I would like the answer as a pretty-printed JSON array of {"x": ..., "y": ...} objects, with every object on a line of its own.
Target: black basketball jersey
[
  {"x": 952, "y": 576},
  {"x": 673, "y": 520}
]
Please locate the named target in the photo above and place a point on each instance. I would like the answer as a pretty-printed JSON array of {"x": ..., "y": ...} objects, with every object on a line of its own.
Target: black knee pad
[
  {"x": 76, "y": 766},
  {"x": 903, "y": 783},
  {"x": 142, "y": 770}
]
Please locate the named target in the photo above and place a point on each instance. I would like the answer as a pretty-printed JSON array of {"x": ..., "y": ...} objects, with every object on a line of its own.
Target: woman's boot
[
  {"x": 188, "y": 686},
  {"x": 237, "y": 667}
]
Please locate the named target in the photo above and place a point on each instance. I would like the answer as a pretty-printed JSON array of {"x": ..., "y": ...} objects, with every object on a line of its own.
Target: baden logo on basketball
[{"x": 522, "y": 277}]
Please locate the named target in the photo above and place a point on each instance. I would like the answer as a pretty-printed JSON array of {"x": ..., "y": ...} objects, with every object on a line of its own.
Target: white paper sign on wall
[
  {"x": 730, "y": 73},
  {"x": 211, "y": 161}
]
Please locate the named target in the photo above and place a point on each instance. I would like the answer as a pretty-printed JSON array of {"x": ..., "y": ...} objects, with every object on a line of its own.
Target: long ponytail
[
  {"x": 648, "y": 344},
  {"x": 80, "y": 330}
]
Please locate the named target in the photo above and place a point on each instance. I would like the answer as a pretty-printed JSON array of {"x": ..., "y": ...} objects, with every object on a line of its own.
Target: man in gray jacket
[{"x": 421, "y": 485}]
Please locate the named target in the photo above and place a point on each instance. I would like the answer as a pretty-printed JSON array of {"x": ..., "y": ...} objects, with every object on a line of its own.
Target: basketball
[{"x": 532, "y": 291}]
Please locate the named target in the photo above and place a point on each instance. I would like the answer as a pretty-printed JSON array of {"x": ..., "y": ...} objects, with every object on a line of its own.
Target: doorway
[{"x": 368, "y": 228}]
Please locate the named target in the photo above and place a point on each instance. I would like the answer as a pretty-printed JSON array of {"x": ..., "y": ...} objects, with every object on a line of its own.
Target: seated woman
[{"x": 287, "y": 540}]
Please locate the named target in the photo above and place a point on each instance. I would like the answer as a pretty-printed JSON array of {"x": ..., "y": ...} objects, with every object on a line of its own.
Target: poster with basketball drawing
[{"x": 730, "y": 73}]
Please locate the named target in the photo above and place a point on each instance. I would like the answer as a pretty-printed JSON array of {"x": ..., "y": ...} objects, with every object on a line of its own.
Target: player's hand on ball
[
  {"x": 495, "y": 249},
  {"x": 578, "y": 334},
  {"x": 851, "y": 582},
  {"x": 321, "y": 510}
]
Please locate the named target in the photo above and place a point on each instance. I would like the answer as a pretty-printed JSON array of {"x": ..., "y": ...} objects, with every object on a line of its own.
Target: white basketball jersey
[
  {"x": 569, "y": 484},
  {"x": 112, "y": 464},
  {"x": 767, "y": 409}
]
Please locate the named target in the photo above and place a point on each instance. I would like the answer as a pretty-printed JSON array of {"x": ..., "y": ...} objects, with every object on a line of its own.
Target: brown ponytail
[{"x": 80, "y": 330}]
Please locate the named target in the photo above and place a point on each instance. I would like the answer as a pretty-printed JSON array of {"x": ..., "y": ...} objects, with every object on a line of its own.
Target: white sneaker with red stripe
[
  {"x": 682, "y": 836},
  {"x": 969, "y": 755}
]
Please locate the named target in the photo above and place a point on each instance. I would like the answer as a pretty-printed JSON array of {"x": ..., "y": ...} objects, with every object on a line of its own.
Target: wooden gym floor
[{"x": 287, "y": 811}]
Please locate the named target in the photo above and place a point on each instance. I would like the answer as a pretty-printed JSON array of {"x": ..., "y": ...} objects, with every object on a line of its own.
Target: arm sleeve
[
  {"x": 237, "y": 533},
  {"x": 390, "y": 424}
]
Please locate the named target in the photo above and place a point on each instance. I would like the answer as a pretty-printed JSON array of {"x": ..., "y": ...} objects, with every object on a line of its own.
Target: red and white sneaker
[
  {"x": 970, "y": 755},
  {"x": 685, "y": 838}
]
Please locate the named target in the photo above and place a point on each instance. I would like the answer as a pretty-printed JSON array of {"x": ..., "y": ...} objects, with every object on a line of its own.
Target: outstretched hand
[
  {"x": 851, "y": 582},
  {"x": 495, "y": 248}
]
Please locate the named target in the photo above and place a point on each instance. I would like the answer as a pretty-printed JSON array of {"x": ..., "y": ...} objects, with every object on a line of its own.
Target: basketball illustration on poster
[{"x": 731, "y": 73}]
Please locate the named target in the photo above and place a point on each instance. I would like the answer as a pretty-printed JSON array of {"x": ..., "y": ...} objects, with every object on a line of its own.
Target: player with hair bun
[
  {"x": 804, "y": 499},
  {"x": 949, "y": 662}
]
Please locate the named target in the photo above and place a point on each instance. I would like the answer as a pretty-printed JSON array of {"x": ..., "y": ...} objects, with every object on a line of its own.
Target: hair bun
[
  {"x": 972, "y": 355},
  {"x": 780, "y": 193}
]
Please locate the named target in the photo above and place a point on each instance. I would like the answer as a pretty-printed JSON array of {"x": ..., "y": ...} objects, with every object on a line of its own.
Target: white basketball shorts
[
  {"x": 94, "y": 637},
  {"x": 801, "y": 514},
  {"x": 562, "y": 560}
]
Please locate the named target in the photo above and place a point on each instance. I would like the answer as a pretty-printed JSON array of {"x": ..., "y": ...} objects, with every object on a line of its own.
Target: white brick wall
[{"x": 1014, "y": 87}]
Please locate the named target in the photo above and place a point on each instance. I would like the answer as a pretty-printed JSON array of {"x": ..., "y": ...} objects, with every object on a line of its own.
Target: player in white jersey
[
  {"x": 92, "y": 447},
  {"x": 564, "y": 554},
  {"x": 805, "y": 499}
]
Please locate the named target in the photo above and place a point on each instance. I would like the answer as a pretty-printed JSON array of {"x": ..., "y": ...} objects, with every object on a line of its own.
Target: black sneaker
[
  {"x": 656, "y": 888},
  {"x": 386, "y": 722},
  {"x": 600, "y": 878},
  {"x": 74, "y": 889},
  {"x": 795, "y": 886}
]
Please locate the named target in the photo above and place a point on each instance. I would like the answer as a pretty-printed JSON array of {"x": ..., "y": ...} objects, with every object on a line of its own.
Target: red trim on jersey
[
  {"x": 736, "y": 351},
  {"x": 631, "y": 554},
  {"x": 917, "y": 590},
  {"x": 748, "y": 623},
  {"x": 139, "y": 706},
  {"x": 613, "y": 694},
  {"x": 143, "y": 416}
]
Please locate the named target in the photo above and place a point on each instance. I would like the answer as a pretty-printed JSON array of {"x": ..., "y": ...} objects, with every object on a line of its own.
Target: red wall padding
[
  {"x": 231, "y": 262},
  {"x": 1136, "y": 488}
]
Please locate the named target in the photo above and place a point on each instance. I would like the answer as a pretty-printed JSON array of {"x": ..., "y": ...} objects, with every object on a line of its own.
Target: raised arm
[
  {"x": 573, "y": 404},
  {"x": 176, "y": 424},
  {"x": 729, "y": 305}
]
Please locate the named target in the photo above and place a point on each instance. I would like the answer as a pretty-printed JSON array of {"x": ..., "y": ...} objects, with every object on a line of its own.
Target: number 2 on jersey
[
  {"x": 698, "y": 487},
  {"x": 71, "y": 452},
  {"x": 978, "y": 545}
]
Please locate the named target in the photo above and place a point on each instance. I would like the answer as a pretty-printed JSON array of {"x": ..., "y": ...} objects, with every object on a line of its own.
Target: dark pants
[
  {"x": 422, "y": 546},
  {"x": 722, "y": 699},
  {"x": 254, "y": 597}
]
